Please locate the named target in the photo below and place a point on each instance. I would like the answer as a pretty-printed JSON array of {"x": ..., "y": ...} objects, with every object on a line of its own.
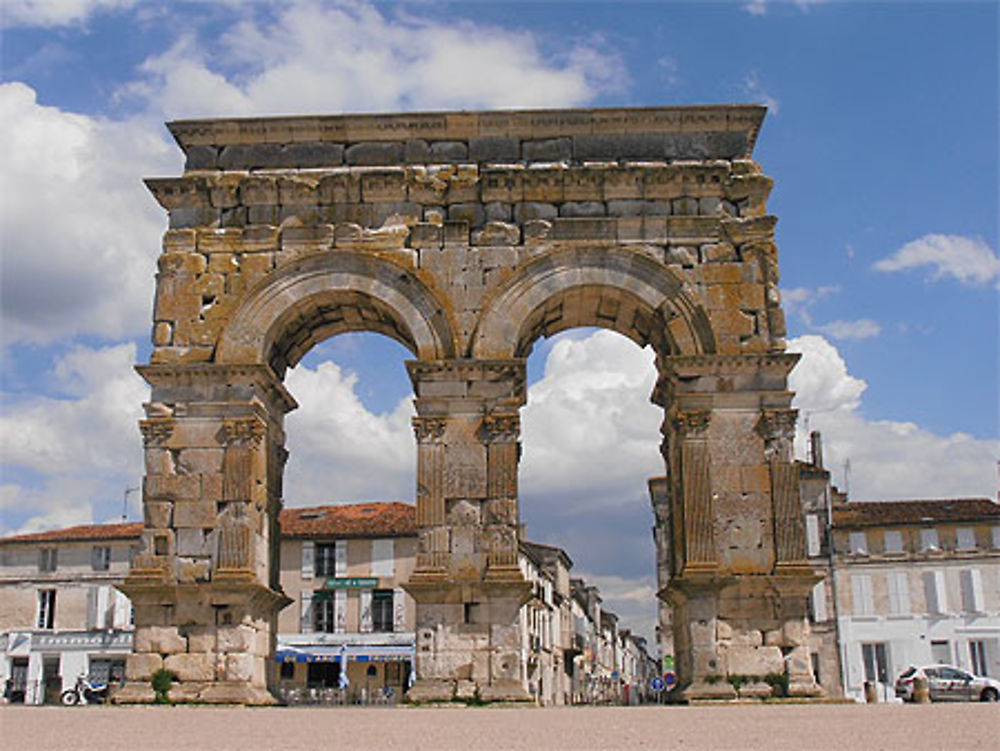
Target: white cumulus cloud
[
  {"x": 314, "y": 57},
  {"x": 52, "y": 13},
  {"x": 76, "y": 451},
  {"x": 80, "y": 233},
  {"x": 970, "y": 260},
  {"x": 889, "y": 460},
  {"x": 862, "y": 328}
]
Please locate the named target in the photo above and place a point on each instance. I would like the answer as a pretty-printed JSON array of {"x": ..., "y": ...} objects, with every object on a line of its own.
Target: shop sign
[{"x": 351, "y": 582}]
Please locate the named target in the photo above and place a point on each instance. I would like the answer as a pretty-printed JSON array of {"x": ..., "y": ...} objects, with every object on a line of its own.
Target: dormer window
[
  {"x": 929, "y": 540},
  {"x": 893, "y": 541},
  {"x": 965, "y": 538},
  {"x": 859, "y": 543}
]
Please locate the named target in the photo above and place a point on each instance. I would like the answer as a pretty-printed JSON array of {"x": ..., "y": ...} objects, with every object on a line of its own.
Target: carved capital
[
  {"x": 242, "y": 431},
  {"x": 428, "y": 429},
  {"x": 692, "y": 423},
  {"x": 777, "y": 428},
  {"x": 156, "y": 431},
  {"x": 501, "y": 428}
]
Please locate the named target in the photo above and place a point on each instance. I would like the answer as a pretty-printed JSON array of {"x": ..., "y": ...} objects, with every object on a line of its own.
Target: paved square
[{"x": 743, "y": 727}]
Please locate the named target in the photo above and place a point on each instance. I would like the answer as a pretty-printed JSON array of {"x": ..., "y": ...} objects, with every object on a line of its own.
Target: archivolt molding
[
  {"x": 291, "y": 309},
  {"x": 665, "y": 314}
]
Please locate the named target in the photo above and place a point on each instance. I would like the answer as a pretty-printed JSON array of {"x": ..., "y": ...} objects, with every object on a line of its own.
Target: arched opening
[
  {"x": 590, "y": 437},
  {"x": 350, "y": 440}
]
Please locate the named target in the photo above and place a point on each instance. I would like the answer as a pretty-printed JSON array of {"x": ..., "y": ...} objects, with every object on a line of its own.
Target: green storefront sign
[{"x": 351, "y": 582}]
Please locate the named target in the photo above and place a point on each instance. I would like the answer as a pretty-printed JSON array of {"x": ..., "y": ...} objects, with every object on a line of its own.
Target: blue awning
[{"x": 328, "y": 653}]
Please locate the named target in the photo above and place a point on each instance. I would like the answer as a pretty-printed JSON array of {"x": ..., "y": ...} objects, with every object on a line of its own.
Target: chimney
[{"x": 816, "y": 449}]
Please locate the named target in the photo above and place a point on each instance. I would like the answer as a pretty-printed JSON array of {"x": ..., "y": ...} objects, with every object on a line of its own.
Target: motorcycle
[{"x": 85, "y": 692}]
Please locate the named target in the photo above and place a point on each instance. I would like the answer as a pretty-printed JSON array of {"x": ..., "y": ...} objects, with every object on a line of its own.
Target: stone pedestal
[
  {"x": 739, "y": 579},
  {"x": 205, "y": 585},
  {"x": 467, "y": 583}
]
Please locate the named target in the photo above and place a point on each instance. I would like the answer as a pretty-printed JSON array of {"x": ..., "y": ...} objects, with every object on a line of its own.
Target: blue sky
[{"x": 881, "y": 137}]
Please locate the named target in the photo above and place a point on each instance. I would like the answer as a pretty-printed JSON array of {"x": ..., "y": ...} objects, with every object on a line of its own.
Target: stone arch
[
  {"x": 614, "y": 288},
  {"x": 319, "y": 296}
]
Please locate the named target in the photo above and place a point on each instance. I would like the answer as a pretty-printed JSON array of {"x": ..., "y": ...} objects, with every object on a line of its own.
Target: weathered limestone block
[
  {"x": 158, "y": 514},
  {"x": 746, "y": 660},
  {"x": 493, "y": 149},
  {"x": 240, "y": 667},
  {"x": 159, "y": 639},
  {"x": 377, "y": 153},
  {"x": 239, "y": 638},
  {"x": 140, "y": 666},
  {"x": 191, "y": 667},
  {"x": 547, "y": 150},
  {"x": 198, "y": 514}
]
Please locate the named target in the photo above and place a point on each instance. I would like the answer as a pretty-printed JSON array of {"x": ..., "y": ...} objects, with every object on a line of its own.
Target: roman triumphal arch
[{"x": 466, "y": 236}]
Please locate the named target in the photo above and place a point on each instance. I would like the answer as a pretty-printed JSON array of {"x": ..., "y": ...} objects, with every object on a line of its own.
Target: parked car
[{"x": 948, "y": 683}]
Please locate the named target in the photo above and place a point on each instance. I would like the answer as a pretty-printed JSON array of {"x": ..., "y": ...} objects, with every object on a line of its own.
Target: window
[
  {"x": 876, "y": 662},
  {"x": 106, "y": 670},
  {"x": 100, "y": 557},
  {"x": 818, "y": 603},
  {"x": 972, "y": 591},
  {"x": 324, "y": 614},
  {"x": 893, "y": 541},
  {"x": 940, "y": 653},
  {"x": 996, "y": 537},
  {"x": 287, "y": 671},
  {"x": 861, "y": 595},
  {"x": 46, "y": 608},
  {"x": 812, "y": 535},
  {"x": 323, "y": 675},
  {"x": 331, "y": 559},
  {"x": 326, "y": 560},
  {"x": 977, "y": 656},
  {"x": 48, "y": 560},
  {"x": 899, "y": 593},
  {"x": 859, "y": 543},
  {"x": 929, "y": 539},
  {"x": 383, "y": 559},
  {"x": 965, "y": 538},
  {"x": 936, "y": 593},
  {"x": 382, "y": 611}
]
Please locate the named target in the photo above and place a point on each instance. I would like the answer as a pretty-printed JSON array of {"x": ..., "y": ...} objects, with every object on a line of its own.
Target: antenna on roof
[
  {"x": 125, "y": 496},
  {"x": 847, "y": 477}
]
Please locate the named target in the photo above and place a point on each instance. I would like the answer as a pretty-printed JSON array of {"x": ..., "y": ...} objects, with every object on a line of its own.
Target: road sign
[
  {"x": 657, "y": 684},
  {"x": 670, "y": 678}
]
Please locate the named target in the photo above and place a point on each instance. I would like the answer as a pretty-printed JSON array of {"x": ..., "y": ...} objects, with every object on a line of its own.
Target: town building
[
  {"x": 347, "y": 637},
  {"x": 60, "y": 614},
  {"x": 905, "y": 583}
]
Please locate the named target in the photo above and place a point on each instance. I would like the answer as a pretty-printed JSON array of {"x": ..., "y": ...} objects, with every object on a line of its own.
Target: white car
[{"x": 948, "y": 683}]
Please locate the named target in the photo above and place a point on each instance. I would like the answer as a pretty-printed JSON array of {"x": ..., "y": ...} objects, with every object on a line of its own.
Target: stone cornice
[
  {"x": 697, "y": 365},
  {"x": 526, "y": 124},
  {"x": 166, "y": 375}
]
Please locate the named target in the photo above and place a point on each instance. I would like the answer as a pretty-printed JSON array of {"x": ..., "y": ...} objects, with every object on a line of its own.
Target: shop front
[{"x": 358, "y": 669}]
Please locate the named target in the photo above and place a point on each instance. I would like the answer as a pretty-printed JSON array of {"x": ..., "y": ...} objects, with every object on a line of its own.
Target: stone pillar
[
  {"x": 205, "y": 584},
  {"x": 467, "y": 583},
  {"x": 739, "y": 578}
]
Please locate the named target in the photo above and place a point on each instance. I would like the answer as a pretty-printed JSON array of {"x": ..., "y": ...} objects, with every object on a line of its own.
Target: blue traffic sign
[
  {"x": 670, "y": 678},
  {"x": 657, "y": 684}
]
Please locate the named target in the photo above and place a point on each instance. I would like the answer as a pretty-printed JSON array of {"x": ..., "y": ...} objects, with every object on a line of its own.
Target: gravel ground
[{"x": 743, "y": 727}]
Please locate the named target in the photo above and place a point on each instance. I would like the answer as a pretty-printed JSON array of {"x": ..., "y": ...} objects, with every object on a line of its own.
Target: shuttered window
[
  {"x": 812, "y": 535},
  {"x": 972, "y": 591},
  {"x": 899, "y": 593},
  {"x": 936, "y": 593},
  {"x": 308, "y": 559},
  {"x": 861, "y": 594},
  {"x": 383, "y": 560},
  {"x": 819, "y": 602}
]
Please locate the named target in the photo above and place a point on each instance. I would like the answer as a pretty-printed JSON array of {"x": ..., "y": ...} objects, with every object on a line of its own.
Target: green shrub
[
  {"x": 778, "y": 683},
  {"x": 161, "y": 681}
]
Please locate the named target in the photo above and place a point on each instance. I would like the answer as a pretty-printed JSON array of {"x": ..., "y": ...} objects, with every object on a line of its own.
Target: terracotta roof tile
[
  {"x": 873, "y": 514},
  {"x": 82, "y": 533},
  {"x": 390, "y": 519}
]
